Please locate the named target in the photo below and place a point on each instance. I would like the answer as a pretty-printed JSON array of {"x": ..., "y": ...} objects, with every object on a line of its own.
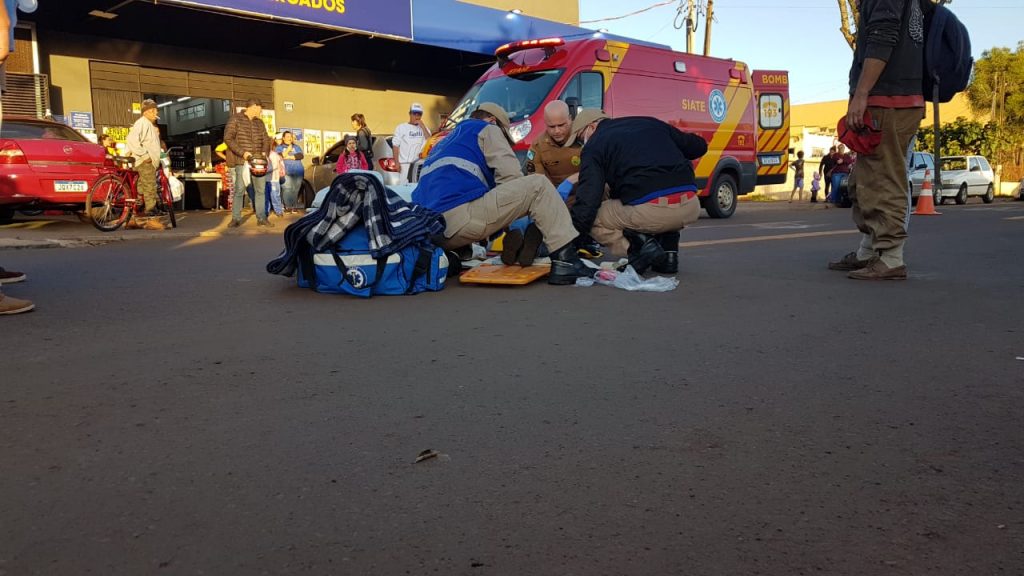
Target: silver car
[
  {"x": 966, "y": 176},
  {"x": 320, "y": 171}
]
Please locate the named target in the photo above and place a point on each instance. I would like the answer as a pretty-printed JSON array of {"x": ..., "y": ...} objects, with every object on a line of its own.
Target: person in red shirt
[{"x": 351, "y": 158}]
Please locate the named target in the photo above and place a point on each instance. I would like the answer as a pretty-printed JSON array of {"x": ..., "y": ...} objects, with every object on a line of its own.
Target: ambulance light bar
[{"x": 506, "y": 50}]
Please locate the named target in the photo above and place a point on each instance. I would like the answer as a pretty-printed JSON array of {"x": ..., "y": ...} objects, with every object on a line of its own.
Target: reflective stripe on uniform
[{"x": 459, "y": 163}]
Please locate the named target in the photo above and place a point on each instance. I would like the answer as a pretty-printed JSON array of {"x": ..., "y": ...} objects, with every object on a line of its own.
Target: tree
[
  {"x": 961, "y": 136},
  {"x": 997, "y": 88}
]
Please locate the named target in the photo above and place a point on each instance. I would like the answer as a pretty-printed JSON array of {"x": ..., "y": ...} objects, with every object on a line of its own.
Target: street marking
[
  {"x": 34, "y": 225},
  {"x": 1014, "y": 218},
  {"x": 793, "y": 236}
]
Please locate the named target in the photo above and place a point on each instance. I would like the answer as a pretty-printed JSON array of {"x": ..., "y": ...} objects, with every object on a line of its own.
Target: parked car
[
  {"x": 320, "y": 172},
  {"x": 920, "y": 162},
  {"x": 45, "y": 165},
  {"x": 966, "y": 176}
]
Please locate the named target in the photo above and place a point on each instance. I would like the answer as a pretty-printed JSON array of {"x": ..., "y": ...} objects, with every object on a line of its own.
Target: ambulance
[{"x": 743, "y": 114}]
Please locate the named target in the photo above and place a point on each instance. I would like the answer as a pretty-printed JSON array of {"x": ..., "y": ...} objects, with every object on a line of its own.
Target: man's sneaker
[
  {"x": 848, "y": 263},
  {"x": 10, "y": 276},
  {"x": 877, "y": 270},
  {"x": 264, "y": 222},
  {"x": 532, "y": 239},
  {"x": 10, "y": 305},
  {"x": 234, "y": 223},
  {"x": 588, "y": 248},
  {"x": 511, "y": 244}
]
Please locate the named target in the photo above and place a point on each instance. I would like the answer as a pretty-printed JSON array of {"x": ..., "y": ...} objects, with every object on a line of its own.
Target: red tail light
[
  {"x": 388, "y": 164},
  {"x": 10, "y": 153}
]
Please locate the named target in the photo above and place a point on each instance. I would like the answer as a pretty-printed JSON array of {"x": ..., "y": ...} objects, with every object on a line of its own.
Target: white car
[
  {"x": 920, "y": 163},
  {"x": 966, "y": 176}
]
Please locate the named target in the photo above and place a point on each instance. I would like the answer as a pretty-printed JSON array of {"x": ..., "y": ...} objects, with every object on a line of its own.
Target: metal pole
[
  {"x": 707, "y": 29},
  {"x": 689, "y": 26}
]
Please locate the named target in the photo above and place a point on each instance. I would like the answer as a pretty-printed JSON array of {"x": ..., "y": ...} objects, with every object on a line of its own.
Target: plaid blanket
[{"x": 391, "y": 222}]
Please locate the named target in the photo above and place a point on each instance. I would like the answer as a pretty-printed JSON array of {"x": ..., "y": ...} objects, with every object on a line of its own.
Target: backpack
[{"x": 947, "y": 54}]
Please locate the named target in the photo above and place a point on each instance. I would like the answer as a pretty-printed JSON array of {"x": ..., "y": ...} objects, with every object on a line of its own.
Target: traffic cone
[{"x": 926, "y": 202}]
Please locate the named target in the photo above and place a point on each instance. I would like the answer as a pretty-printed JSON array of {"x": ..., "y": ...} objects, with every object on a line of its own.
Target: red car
[{"x": 45, "y": 165}]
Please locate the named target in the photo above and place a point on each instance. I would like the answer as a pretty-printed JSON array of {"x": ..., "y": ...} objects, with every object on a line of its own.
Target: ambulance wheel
[{"x": 721, "y": 202}]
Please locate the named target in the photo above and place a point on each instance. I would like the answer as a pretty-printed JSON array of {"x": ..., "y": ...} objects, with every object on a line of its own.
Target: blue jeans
[
  {"x": 274, "y": 190},
  {"x": 835, "y": 196},
  {"x": 259, "y": 183},
  {"x": 290, "y": 190}
]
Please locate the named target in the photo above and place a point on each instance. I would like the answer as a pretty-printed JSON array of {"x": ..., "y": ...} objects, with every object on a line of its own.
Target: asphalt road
[{"x": 172, "y": 408}]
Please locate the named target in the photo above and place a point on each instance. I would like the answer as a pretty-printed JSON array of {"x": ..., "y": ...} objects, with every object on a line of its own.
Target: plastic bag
[
  {"x": 631, "y": 281},
  {"x": 177, "y": 188}
]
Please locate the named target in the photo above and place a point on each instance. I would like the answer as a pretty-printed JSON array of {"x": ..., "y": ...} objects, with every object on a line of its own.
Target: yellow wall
[
  {"x": 327, "y": 107},
  {"x": 566, "y": 11},
  {"x": 69, "y": 79},
  {"x": 826, "y": 114}
]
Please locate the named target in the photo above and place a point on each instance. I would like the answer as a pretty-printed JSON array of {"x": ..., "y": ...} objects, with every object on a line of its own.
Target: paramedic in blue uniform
[
  {"x": 473, "y": 177},
  {"x": 646, "y": 165}
]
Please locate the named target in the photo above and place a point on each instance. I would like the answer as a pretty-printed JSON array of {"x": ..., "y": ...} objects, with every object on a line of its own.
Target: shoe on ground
[
  {"x": 644, "y": 250},
  {"x": 877, "y": 270},
  {"x": 848, "y": 263},
  {"x": 588, "y": 248},
  {"x": 454, "y": 264},
  {"x": 566, "y": 266},
  {"x": 669, "y": 263},
  {"x": 10, "y": 305},
  {"x": 10, "y": 276},
  {"x": 511, "y": 244},
  {"x": 234, "y": 223},
  {"x": 265, "y": 222},
  {"x": 532, "y": 239}
]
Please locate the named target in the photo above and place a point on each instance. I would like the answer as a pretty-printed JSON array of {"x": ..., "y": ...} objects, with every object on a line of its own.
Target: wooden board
[{"x": 504, "y": 275}]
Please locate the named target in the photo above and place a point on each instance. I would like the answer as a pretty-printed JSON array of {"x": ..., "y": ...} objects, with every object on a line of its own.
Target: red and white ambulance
[{"x": 743, "y": 114}]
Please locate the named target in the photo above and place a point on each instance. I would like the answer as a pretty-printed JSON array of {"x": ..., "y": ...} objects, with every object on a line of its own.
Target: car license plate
[
  {"x": 70, "y": 186},
  {"x": 770, "y": 160}
]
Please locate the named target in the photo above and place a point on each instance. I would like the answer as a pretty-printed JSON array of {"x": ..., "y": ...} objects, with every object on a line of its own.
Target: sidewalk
[{"x": 67, "y": 231}]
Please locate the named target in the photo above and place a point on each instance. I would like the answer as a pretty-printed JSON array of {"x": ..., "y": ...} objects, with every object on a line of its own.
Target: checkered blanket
[{"x": 391, "y": 222}]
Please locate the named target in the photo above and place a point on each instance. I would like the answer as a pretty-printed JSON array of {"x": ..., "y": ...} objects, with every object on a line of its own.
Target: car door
[
  {"x": 323, "y": 174},
  {"x": 975, "y": 179}
]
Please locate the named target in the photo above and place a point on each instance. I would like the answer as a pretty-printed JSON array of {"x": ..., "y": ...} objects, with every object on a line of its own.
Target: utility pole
[
  {"x": 707, "y": 30},
  {"x": 690, "y": 25}
]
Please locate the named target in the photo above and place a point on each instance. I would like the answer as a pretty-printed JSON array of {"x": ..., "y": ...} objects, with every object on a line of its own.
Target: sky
[{"x": 801, "y": 36}]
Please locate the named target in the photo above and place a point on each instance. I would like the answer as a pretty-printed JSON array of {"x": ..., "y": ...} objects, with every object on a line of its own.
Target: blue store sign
[
  {"x": 80, "y": 120},
  {"x": 383, "y": 17}
]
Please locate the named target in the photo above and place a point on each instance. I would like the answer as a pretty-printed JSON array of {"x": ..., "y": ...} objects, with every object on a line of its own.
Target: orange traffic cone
[{"x": 925, "y": 202}]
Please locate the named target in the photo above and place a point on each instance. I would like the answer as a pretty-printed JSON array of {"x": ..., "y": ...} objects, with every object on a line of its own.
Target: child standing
[
  {"x": 351, "y": 158},
  {"x": 798, "y": 186},
  {"x": 815, "y": 186},
  {"x": 274, "y": 176}
]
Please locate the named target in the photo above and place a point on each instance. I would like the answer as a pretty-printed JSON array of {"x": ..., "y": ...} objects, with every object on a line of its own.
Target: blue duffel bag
[{"x": 350, "y": 269}]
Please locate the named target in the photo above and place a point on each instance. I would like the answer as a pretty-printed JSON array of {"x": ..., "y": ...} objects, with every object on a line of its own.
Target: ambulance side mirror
[{"x": 574, "y": 106}]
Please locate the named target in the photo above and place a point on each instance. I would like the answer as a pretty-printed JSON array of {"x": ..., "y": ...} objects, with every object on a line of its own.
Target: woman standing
[
  {"x": 293, "y": 171},
  {"x": 364, "y": 139}
]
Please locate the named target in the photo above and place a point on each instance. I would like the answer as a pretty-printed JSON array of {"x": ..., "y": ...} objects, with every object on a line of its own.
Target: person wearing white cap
[
  {"x": 408, "y": 141},
  {"x": 474, "y": 179}
]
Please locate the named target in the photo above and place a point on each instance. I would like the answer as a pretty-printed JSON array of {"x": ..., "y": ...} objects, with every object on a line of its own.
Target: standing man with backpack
[{"x": 885, "y": 110}]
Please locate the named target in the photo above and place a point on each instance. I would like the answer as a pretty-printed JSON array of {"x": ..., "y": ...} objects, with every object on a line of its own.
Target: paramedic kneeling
[
  {"x": 646, "y": 165},
  {"x": 475, "y": 180}
]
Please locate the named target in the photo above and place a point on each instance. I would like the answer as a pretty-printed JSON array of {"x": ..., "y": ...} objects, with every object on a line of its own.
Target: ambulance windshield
[{"x": 519, "y": 95}]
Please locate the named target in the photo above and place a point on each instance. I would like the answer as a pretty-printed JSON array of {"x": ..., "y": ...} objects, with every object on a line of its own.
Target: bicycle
[{"x": 114, "y": 197}]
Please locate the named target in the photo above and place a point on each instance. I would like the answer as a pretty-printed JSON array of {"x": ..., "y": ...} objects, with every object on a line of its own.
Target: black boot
[
  {"x": 668, "y": 264},
  {"x": 644, "y": 250},
  {"x": 566, "y": 266},
  {"x": 454, "y": 263},
  {"x": 511, "y": 246},
  {"x": 588, "y": 248}
]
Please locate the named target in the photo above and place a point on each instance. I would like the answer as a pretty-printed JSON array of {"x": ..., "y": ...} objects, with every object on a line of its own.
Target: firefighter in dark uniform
[
  {"x": 549, "y": 155},
  {"x": 557, "y": 157}
]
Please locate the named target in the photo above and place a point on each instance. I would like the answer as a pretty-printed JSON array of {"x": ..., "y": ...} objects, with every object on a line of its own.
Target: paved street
[{"x": 172, "y": 408}]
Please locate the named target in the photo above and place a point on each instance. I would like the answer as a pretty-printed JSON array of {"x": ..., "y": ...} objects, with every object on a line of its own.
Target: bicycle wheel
[
  {"x": 167, "y": 199},
  {"x": 106, "y": 204}
]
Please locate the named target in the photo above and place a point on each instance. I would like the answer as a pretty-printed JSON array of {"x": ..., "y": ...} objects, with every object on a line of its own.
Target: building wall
[
  {"x": 324, "y": 97},
  {"x": 826, "y": 114},
  {"x": 564, "y": 11}
]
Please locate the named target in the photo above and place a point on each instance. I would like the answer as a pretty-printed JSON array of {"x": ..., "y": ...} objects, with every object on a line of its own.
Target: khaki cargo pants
[
  {"x": 532, "y": 196},
  {"x": 651, "y": 218},
  {"x": 878, "y": 182},
  {"x": 147, "y": 183}
]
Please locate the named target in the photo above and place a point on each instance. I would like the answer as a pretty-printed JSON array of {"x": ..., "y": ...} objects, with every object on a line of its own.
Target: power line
[{"x": 641, "y": 11}]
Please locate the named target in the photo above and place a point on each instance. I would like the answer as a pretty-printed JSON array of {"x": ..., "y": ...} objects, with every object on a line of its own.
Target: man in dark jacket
[
  {"x": 247, "y": 137},
  {"x": 885, "y": 91},
  {"x": 646, "y": 166}
]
